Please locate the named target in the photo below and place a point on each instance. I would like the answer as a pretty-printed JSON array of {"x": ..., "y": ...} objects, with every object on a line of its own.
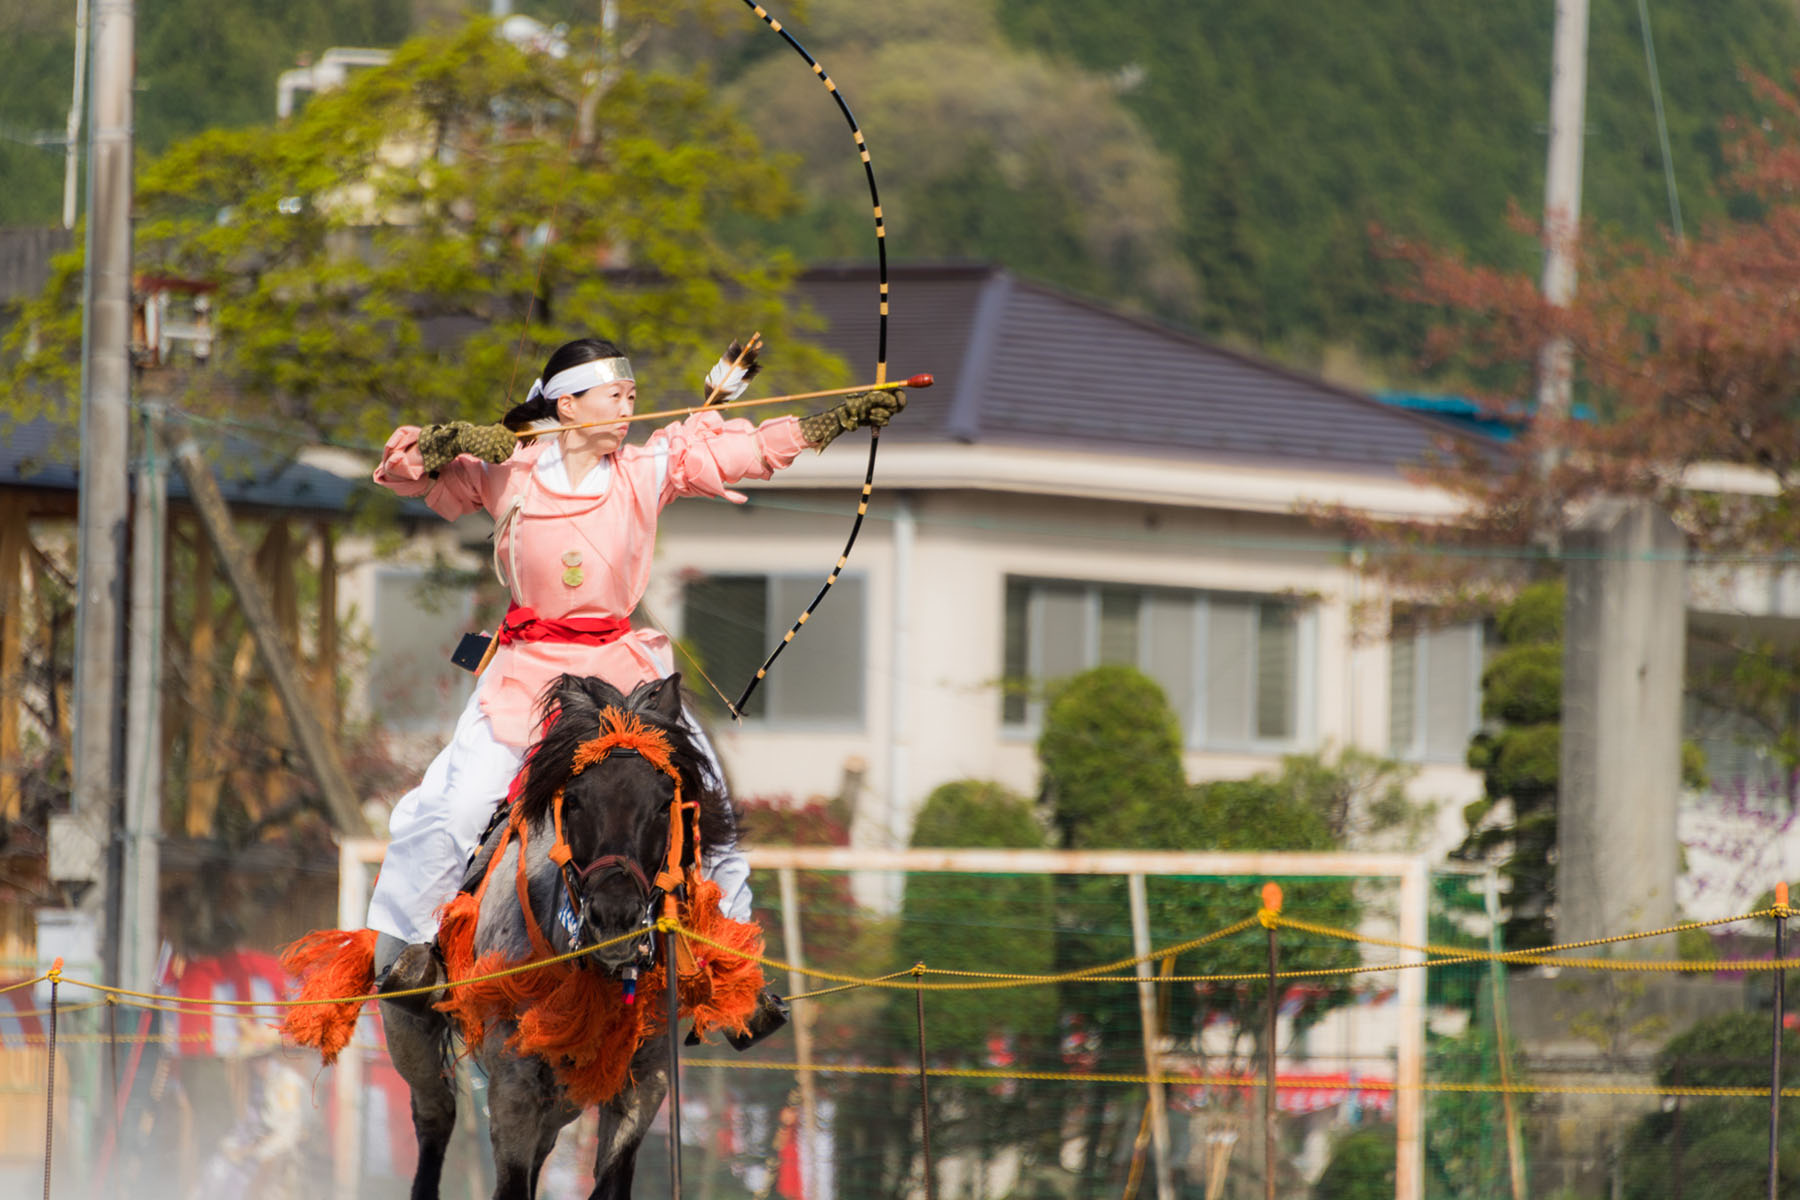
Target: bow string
[{"x": 868, "y": 487}]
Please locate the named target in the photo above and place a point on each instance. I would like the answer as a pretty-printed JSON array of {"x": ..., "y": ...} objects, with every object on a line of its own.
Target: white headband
[{"x": 581, "y": 377}]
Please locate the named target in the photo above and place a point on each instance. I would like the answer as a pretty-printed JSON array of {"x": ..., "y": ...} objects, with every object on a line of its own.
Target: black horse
[{"x": 615, "y": 820}]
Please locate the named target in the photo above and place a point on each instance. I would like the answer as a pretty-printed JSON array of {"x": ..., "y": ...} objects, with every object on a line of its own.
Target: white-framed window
[
  {"x": 1237, "y": 668},
  {"x": 413, "y": 686},
  {"x": 1434, "y": 689},
  {"x": 731, "y": 622}
]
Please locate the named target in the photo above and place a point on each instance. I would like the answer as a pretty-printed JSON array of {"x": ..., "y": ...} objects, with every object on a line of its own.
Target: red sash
[{"x": 524, "y": 625}]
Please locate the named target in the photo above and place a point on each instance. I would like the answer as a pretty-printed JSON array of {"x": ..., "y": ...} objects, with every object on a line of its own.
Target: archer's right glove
[{"x": 439, "y": 444}]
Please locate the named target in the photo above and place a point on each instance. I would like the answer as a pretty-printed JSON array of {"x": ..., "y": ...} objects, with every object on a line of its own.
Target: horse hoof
[{"x": 771, "y": 1014}]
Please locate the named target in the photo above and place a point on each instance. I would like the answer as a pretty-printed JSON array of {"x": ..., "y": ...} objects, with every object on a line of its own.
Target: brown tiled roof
[{"x": 1020, "y": 363}]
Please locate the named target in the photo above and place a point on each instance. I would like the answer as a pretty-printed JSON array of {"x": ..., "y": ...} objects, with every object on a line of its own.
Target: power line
[{"x": 1662, "y": 125}]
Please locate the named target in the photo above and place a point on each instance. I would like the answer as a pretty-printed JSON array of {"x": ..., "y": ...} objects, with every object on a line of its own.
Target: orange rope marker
[{"x": 1271, "y": 904}]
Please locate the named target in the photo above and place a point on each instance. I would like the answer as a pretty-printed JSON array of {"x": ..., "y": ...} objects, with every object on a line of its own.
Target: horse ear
[{"x": 661, "y": 697}]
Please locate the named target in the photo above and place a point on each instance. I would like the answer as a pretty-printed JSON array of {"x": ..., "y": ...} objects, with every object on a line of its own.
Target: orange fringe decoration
[
  {"x": 575, "y": 1018},
  {"x": 328, "y": 963}
]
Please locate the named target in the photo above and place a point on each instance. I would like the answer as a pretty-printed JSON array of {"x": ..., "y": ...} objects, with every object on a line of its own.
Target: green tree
[
  {"x": 1110, "y": 752},
  {"x": 1294, "y": 126},
  {"x": 1717, "y": 1147},
  {"x": 201, "y": 64},
  {"x": 378, "y": 256},
  {"x": 1002, "y": 923},
  {"x": 1520, "y": 760},
  {"x": 990, "y": 151},
  {"x": 1361, "y": 1167},
  {"x": 990, "y": 923}
]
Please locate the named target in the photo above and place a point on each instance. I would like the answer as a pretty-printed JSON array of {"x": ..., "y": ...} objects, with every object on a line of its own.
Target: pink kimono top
[{"x": 580, "y": 556}]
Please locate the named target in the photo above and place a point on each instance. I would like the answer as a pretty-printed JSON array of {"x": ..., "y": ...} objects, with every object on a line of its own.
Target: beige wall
[{"x": 935, "y": 716}]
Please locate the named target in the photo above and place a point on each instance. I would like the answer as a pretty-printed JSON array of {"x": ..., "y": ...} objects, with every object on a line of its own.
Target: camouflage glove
[
  {"x": 438, "y": 444},
  {"x": 864, "y": 408}
]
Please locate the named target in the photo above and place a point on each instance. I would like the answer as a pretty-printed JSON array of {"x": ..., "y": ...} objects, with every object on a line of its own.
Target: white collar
[{"x": 555, "y": 474}]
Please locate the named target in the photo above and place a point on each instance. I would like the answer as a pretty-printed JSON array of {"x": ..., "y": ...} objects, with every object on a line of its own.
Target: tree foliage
[
  {"x": 1685, "y": 373},
  {"x": 377, "y": 257},
  {"x": 201, "y": 64},
  {"x": 1295, "y": 126},
  {"x": 1361, "y": 1167},
  {"x": 988, "y": 151},
  {"x": 1112, "y": 779},
  {"x": 1002, "y": 923},
  {"x": 1519, "y": 758},
  {"x": 1721, "y": 1146},
  {"x": 1111, "y": 757}
]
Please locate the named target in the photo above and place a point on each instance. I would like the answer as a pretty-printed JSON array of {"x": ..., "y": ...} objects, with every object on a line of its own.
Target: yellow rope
[
  {"x": 61, "y": 1010},
  {"x": 1547, "y": 957},
  {"x": 1003, "y": 981},
  {"x": 23, "y": 983},
  {"x": 1361, "y": 1085},
  {"x": 913, "y": 978},
  {"x": 395, "y": 995},
  {"x": 123, "y": 1039},
  {"x": 846, "y": 987}
]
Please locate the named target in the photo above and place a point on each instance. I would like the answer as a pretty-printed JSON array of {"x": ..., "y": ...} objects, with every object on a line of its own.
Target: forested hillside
[
  {"x": 1213, "y": 163},
  {"x": 1294, "y": 125},
  {"x": 201, "y": 63}
]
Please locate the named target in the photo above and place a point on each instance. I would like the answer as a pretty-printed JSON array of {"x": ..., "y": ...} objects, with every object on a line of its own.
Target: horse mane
[{"x": 573, "y": 709}]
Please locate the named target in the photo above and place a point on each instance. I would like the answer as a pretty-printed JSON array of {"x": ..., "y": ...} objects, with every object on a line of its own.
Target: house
[{"x": 1081, "y": 486}]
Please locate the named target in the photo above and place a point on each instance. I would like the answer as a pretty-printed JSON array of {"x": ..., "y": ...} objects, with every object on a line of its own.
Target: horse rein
[
  {"x": 629, "y": 736},
  {"x": 621, "y": 733}
]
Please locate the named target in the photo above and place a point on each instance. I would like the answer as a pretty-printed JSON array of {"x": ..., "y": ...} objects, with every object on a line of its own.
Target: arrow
[{"x": 917, "y": 381}]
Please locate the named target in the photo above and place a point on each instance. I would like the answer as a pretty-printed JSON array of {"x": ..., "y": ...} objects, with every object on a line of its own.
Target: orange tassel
[
  {"x": 576, "y": 1020},
  {"x": 328, "y": 963}
]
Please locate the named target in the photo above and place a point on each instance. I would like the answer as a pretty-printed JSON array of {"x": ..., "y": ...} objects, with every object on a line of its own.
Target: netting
[{"x": 1031, "y": 996}]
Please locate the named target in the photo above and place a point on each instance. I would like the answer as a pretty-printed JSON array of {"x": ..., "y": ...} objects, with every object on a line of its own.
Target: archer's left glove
[{"x": 864, "y": 408}]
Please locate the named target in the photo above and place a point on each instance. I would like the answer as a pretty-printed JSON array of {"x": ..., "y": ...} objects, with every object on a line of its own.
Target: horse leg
[
  {"x": 417, "y": 1044},
  {"x": 525, "y": 1111},
  {"x": 626, "y": 1118}
]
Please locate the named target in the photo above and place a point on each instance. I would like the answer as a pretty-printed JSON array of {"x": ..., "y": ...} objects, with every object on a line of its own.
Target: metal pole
[
  {"x": 924, "y": 1095},
  {"x": 673, "y": 971},
  {"x": 790, "y": 933},
  {"x": 1269, "y": 1148},
  {"x": 80, "y": 841},
  {"x": 1159, "y": 1115},
  {"x": 50, "y": 1081},
  {"x": 1781, "y": 899}
]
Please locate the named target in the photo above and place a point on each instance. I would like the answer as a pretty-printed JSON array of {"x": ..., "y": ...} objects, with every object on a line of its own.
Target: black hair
[
  {"x": 570, "y": 354},
  {"x": 573, "y": 354}
]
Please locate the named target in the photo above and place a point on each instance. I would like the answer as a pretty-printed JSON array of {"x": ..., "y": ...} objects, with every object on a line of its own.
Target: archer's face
[{"x": 606, "y": 402}]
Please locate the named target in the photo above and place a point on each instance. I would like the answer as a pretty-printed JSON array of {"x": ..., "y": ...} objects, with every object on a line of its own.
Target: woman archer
[{"x": 575, "y": 530}]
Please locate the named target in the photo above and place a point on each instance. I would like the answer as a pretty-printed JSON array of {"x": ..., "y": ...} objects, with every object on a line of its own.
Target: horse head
[{"x": 611, "y": 775}]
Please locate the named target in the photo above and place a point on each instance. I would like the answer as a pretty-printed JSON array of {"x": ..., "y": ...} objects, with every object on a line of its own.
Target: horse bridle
[{"x": 629, "y": 736}]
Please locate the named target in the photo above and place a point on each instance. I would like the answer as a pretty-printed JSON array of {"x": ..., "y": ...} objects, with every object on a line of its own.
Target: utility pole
[
  {"x": 81, "y": 841},
  {"x": 1562, "y": 194},
  {"x": 139, "y": 933}
]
